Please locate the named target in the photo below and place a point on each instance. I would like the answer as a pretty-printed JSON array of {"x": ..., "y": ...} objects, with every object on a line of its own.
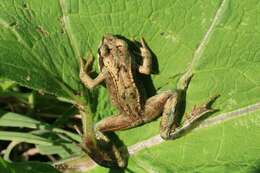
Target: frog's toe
[{"x": 101, "y": 137}]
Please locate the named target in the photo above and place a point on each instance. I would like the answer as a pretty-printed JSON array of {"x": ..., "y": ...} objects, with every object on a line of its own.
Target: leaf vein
[
  {"x": 68, "y": 30},
  {"x": 206, "y": 38}
]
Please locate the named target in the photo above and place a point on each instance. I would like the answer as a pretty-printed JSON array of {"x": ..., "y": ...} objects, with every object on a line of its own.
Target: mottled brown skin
[{"x": 119, "y": 70}]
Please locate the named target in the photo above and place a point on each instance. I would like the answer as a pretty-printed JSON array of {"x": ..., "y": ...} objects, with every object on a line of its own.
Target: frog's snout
[{"x": 108, "y": 39}]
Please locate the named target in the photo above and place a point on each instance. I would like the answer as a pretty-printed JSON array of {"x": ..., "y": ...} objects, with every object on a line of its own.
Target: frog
[{"x": 120, "y": 68}]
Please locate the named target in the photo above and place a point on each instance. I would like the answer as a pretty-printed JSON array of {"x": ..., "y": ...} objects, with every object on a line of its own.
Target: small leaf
[
  {"x": 63, "y": 150},
  {"x": 26, "y": 167},
  {"x": 10, "y": 119},
  {"x": 23, "y": 137}
]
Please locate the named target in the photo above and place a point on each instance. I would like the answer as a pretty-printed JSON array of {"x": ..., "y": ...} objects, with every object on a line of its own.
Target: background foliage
[{"x": 219, "y": 41}]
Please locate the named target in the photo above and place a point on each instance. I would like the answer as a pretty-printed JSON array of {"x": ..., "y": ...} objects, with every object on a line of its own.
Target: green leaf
[
  {"x": 23, "y": 137},
  {"x": 26, "y": 167},
  {"x": 54, "y": 146},
  {"x": 5, "y": 84},
  {"x": 227, "y": 147},
  {"x": 219, "y": 41},
  {"x": 4, "y": 166},
  {"x": 10, "y": 119},
  {"x": 33, "y": 47},
  {"x": 231, "y": 146},
  {"x": 64, "y": 150}
]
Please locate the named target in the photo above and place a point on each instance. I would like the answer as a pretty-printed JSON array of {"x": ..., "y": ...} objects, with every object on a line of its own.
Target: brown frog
[{"x": 120, "y": 70}]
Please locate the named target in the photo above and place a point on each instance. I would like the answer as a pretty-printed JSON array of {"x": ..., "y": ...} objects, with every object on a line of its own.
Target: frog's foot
[
  {"x": 198, "y": 112},
  {"x": 174, "y": 131},
  {"x": 104, "y": 151}
]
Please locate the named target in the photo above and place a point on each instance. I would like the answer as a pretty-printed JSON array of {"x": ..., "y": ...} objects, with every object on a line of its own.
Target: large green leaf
[
  {"x": 41, "y": 42},
  {"x": 232, "y": 146}
]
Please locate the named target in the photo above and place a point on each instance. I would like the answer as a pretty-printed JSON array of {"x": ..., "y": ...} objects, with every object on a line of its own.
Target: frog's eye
[
  {"x": 104, "y": 50},
  {"x": 121, "y": 45},
  {"x": 120, "y": 48},
  {"x": 110, "y": 40}
]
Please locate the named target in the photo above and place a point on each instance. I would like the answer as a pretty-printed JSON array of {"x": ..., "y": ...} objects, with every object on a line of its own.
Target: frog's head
[
  {"x": 112, "y": 43},
  {"x": 112, "y": 48}
]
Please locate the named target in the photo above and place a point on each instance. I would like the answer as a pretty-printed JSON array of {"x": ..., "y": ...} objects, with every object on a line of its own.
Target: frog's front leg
[
  {"x": 146, "y": 66},
  {"x": 85, "y": 69}
]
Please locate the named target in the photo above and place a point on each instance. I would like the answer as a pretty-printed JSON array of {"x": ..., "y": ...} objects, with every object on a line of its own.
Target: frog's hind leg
[
  {"x": 154, "y": 106},
  {"x": 167, "y": 104},
  {"x": 118, "y": 122},
  {"x": 171, "y": 106},
  {"x": 170, "y": 130},
  {"x": 153, "y": 109},
  {"x": 111, "y": 124}
]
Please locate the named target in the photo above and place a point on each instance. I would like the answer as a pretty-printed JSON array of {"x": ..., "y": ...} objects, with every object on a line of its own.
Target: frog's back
[
  {"x": 117, "y": 59},
  {"x": 126, "y": 90}
]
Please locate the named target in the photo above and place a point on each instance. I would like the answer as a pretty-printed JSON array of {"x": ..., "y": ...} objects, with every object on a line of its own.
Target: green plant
[{"x": 41, "y": 43}]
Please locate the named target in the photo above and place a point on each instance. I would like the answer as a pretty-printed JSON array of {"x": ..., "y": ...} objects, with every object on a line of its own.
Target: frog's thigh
[
  {"x": 155, "y": 105},
  {"x": 118, "y": 122}
]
